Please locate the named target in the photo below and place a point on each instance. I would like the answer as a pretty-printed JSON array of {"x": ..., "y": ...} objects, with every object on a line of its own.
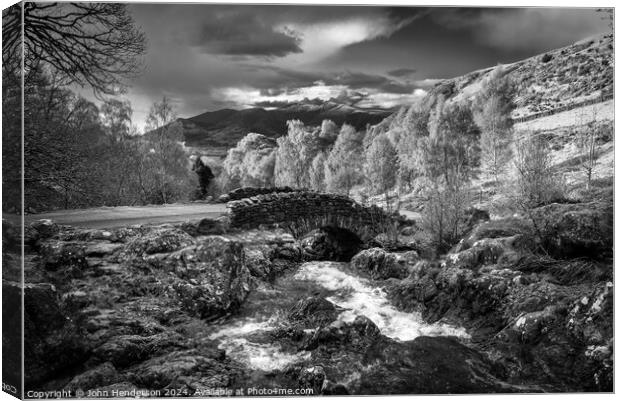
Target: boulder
[
  {"x": 576, "y": 229},
  {"x": 507, "y": 227},
  {"x": 356, "y": 335},
  {"x": 208, "y": 226},
  {"x": 162, "y": 240},
  {"x": 313, "y": 311},
  {"x": 491, "y": 251},
  {"x": 471, "y": 298},
  {"x": 427, "y": 365},
  {"x": 381, "y": 265},
  {"x": 214, "y": 277},
  {"x": 40, "y": 230},
  {"x": 548, "y": 330},
  {"x": 67, "y": 258},
  {"x": 257, "y": 263},
  {"x": 590, "y": 321},
  {"x": 287, "y": 252}
]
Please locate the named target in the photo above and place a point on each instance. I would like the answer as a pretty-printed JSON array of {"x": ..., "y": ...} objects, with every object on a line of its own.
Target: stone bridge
[{"x": 303, "y": 211}]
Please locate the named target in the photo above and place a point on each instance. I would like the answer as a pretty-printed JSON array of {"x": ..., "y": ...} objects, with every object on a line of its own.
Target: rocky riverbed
[{"x": 189, "y": 308}]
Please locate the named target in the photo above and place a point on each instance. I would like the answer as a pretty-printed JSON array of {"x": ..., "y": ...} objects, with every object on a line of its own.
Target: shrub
[{"x": 537, "y": 183}]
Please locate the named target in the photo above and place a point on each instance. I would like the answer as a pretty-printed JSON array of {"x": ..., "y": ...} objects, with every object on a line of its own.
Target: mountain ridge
[{"x": 225, "y": 127}]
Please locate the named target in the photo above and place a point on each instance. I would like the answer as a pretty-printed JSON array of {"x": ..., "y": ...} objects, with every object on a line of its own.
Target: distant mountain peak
[{"x": 223, "y": 128}]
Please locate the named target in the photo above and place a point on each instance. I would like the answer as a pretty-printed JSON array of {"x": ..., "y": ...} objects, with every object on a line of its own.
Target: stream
[{"x": 243, "y": 337}]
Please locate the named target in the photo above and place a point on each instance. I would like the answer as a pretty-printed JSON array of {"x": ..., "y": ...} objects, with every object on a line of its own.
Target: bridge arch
[{"x": 303, "y": 211}]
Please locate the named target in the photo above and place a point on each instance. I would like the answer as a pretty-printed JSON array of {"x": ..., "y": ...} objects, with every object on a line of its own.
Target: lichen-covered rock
[
  {"x": 356, "y": 335},
  {"x": 68, "y": 258},
  {"x": 534, "y": 326},
  {"x": 257, "y": 263},
  {"x": 211, "y": 226},
  {"x": 287, "y": 252},
  {"x": 381, "y": 265},
  {"x": 590, "y": 321},
  {"x": 500, "y": 228},
  {"x": 40, "y": 230},
  {"x": 156, "y": 241},
  {"x": 214, "y": 277},
  {"x": 470, "y": 297},
  {"x": 206, "y": 226},
  {"x": 547, "y": 327},
  {"x": 488, "y": 251},
  {"x": 313, "y": 311},
  {"x": 407, "y": 294},
  {"x": 576, "y": 229}
]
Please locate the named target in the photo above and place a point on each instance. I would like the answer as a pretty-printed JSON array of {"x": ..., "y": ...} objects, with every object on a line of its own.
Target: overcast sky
[{"x": 208, "y": 57}]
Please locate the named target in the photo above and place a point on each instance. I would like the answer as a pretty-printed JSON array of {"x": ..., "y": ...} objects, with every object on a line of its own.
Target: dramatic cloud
[
  {"x": 207, "y": 56},
  {"x": 234, "y": 33},
  {"x": 281, "y": 80},
  {"x": 322, "y": 39}
]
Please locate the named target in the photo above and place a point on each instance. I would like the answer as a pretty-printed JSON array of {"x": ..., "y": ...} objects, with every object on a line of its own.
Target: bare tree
[
  {"x": 587, "y": 144},
  {"x": 116, "y": 118},
  {"x": 538, "y": 183},
  {"x": 446, "y": 162},
  {"x": 167, "y": 159},
  {"x": 492, "y": 113},
  {"x": 94, "y": 44}
]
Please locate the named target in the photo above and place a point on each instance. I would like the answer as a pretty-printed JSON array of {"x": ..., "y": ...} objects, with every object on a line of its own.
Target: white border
[{"x": 478, "y": 3}]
